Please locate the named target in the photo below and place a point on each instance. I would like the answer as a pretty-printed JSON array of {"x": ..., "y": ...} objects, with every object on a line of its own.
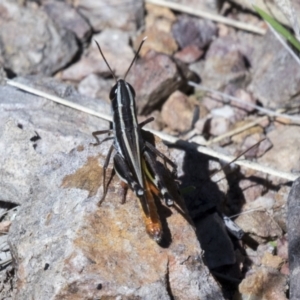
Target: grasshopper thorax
[{"x": 121, "y": 87}]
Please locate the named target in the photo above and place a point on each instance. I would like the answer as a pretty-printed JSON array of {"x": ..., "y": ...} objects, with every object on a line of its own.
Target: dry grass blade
[
  {"x": 209, "y": 16},
  {"x": 58, "y": 100},
  {"x": 163, "y": 136}
]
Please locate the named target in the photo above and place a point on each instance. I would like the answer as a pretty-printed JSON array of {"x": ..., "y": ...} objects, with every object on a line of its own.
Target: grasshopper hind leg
[
  {"x": 157, "y": 178},
  {"x": 126, "y": 175}
]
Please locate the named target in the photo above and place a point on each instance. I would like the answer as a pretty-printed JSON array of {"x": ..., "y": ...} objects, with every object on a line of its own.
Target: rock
[
  {"x": 4, "y": 226},
  {"x": 95, "y": 86},
  {"x": 212, "y": 102},
  {"x": 271, "y": 70},
  {"x": 156, "y": 124},
  {"x": 127, "y": 16},
  {"x": 259, "y": 224},
  {"x": 154, "y": 78},
  {"x": 273, "y": 9},
  {"x": 252, "y": 191},
  {"x": 98, "y": 252},
  {"x": 189, "y": 54},
  {"x": 285, "y": 140},
  {"x": 67, "y": 17},
  {"x": 157, "y": 40},
  {"x": 260, "y": 149},
  {"x": 33, "y": 128},
  {"x": 224, "y": 64},
  {"x": 218, "y": 126},
  {"x": 178, "y": 112},
  {"x": 253, "y": 130},
  {"x": 272, "y": 261},
  {"x": 282, "y": 247},
  {"x": 225, "y": 111},
  {"x": 293, "y": 223},
  {"x": 115, "y": 47},
  {"x": 193, "y": 31},
  {"x": 264, "y": 284},
  {"x": 159, "y": 17},
  {"x": 31, "y": 42}
]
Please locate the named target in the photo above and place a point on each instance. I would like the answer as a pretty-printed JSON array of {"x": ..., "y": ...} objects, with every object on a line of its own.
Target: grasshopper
[{"x": 134, "y": 158}]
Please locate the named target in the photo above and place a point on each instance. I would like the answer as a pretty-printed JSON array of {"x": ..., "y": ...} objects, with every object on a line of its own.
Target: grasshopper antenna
[
  {"x": 111, "y": 71},
  {"x": 135, "y": 57}
]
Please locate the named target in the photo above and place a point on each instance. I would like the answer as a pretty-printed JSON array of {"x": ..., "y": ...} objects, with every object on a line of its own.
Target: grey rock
[
  {"x": 224, "y": 64},
  {"x": 193, "y": 31},
  {"x": 94, "y": 252},
  {"x": 293, "y": 238},
  {"x": 67, "y": 17},
  {"x": 95, "y": 86},
  {"x": 32, "y": 127},
  {"x": 127, "y": 16},
  {"x": 114, "y": 44},
  {"x": 276, "y": 76},
  {"x": 31, "y": 42}
]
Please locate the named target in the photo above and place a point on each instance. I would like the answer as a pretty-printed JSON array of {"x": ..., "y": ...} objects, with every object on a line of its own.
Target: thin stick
[
  {"x": 163, "y": 136},
  {"x": 227, "y": 158},
  {"x": 207, "y": 15},
  {"x": 259, "y": 108},
  {"x": 58, "y": 100}
]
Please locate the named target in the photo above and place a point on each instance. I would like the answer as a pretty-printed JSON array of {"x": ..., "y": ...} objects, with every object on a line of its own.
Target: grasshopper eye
[
  {"x": 113, "y": 92},
  {"x": 131, "y": 89}
]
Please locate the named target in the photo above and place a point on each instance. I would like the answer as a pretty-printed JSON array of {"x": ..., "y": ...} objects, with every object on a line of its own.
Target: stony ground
[{"x": 50, "y": 175}]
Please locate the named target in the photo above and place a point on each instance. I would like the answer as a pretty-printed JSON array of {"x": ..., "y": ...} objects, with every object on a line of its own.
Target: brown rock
[
  {"x": 240, "y": 137},
  {"x": 115, "y": 47},
  {"x": 272, "y": 261},
  {"x": 4, "y": 226},
  {"x": 159, "y": 17},
  {"x": 154, "y": 78},
  {"x": 260, "y": 224},
  {"x": 211, "y": 102},
  {"x": 259, "y": 150},
  {"x": 157, "y": 40},
  {"x": 285, "y": 154},
  {"x": 264, "y": 284},
  {"x": 189, "y": 54},
  {"x": 251, "y": 191},
  {"x": 282, "y": 247},
  {"x": 127, "y": 16},
  {"x": 96, "y": 252},
  {"x": 178, "y": 111}
]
